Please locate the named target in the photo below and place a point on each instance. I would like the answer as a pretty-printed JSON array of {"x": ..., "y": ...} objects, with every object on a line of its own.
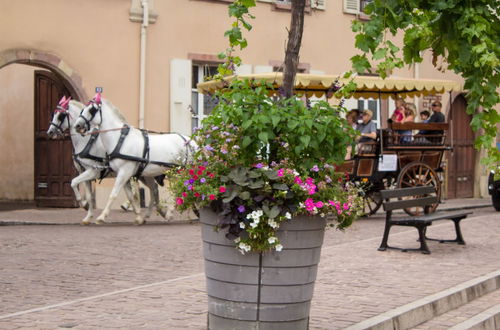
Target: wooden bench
[{"x": 419, "y": 197}]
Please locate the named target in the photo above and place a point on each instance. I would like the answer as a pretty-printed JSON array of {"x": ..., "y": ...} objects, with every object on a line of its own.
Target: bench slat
[
  {"x": 407, "y": 203},
  {"x": 442, "y": 216},
  {"x": 405, "y": 192}
]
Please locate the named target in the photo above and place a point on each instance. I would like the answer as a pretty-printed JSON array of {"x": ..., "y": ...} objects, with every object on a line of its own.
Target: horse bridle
[
  {"x": 64, "y": 112},
  {"x": 96, "y": 107}
]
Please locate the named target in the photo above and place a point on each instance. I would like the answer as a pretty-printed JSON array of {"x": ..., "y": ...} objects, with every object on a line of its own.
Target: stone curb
[
  {"x": 111, "y": 223},
  {"x": 489, "y": 319},
  {"x": 422, "y": 310}
]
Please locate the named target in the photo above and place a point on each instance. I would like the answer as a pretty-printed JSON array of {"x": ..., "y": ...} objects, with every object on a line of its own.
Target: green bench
[{"x": 423, "y": 197}]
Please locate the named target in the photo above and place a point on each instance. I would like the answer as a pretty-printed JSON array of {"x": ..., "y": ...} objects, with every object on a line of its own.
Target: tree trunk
[{"x": 293, "y": 46}]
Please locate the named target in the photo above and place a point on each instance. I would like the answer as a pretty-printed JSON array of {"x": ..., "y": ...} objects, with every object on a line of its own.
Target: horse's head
[
  {"x": 60, "y": 119},
  {"x": 88, "y": 115}
]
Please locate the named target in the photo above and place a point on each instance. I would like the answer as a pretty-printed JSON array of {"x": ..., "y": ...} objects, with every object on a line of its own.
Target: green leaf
[
  {"x": 280, "y": 186},
  {"x": 263, "y": 136},
  {"x": 305, "y": 139},
  {"x": 246, "y": 141}
]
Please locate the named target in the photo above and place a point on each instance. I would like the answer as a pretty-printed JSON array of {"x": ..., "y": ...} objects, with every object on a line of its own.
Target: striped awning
[{"x": 368, "y": 86}]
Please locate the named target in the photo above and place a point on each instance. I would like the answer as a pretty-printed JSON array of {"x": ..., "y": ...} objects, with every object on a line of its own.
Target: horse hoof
[
  {"x": 139, "y": 222},
  {"x": 100, "y": 222},
  {"x": 85, "y": 223}
]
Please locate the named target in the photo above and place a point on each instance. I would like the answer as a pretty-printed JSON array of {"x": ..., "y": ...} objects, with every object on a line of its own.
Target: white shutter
[
  {"x": 319, "y": 4},
  {"x": 351, "y": 6},
  {"x": 244, "y": 69},
  {"x": 263, "y": 69},
  {"x": 180, "y": 96}
]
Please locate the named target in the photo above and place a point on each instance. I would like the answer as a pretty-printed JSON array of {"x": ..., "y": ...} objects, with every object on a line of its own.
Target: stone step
[
  {"x": 469, "y": 316},
  {"x": 425, "y": 309}
]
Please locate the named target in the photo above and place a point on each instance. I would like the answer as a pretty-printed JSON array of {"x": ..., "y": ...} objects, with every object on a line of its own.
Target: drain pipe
[{"x": 142, "y": 77}]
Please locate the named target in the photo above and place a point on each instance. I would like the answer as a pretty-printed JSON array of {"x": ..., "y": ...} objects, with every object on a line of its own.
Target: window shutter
[
  {"x": 351, "y": 6},
  {"x": 244, "y": 69},
  {"x": 180, "y": 96},
  {"x": 319, "y": 4}
]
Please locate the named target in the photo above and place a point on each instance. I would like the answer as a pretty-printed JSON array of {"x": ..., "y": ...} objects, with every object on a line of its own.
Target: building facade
[{"x": 149, "y": 71}]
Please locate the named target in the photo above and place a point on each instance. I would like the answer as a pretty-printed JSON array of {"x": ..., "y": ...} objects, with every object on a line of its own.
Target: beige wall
[
  {"x": 16, "y": 127},
  {"x": 100, "y": 46}
]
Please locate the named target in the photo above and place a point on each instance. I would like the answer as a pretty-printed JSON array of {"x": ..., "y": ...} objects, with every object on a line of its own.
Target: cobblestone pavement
[{"x": 151, "y": 277}]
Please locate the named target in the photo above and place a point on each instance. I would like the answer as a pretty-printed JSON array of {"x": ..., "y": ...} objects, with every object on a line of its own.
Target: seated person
[
  {"x": 424, "y": 116},
  {"x": 398, "y": 114},
  {"x": 367, "y": 128},
  {"x": 409, "y": 117}
]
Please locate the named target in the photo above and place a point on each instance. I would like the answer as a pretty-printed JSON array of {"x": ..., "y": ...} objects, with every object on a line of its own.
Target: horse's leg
[
  {"x": 154, "y": 196},
  {"x": 86, "y": 176},
  {"x": 121, "y": 179},
  {"x": 134, "y": 202}
]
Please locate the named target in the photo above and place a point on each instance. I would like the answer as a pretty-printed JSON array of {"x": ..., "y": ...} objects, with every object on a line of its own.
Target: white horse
[
  {"x": 132, "y": 151},
  {"x": 89, "y": 158}
]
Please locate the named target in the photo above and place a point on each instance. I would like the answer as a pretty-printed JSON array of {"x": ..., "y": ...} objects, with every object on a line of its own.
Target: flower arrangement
[{"x": 263, "y": 160}]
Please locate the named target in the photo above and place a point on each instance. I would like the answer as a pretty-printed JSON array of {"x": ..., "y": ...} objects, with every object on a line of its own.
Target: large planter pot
[{"x": 271, "y": 290}]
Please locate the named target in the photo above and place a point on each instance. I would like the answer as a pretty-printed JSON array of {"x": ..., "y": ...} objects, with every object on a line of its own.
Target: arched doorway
[
  {"x": 462, "y": 158},
  {"x": 53, "y": 158},
  {"x": 38, "y": 169}
]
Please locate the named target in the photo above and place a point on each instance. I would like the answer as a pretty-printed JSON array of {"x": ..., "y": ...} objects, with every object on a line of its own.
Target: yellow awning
[{"x": 368, "y": 86}]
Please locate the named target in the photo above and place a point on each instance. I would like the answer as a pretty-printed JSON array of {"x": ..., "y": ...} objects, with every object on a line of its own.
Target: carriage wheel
[
  {"x": 371, "y": 202},
  {"x": 418, "y": 174}
]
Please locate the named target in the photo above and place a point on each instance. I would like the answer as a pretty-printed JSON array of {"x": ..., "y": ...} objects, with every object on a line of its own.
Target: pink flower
[
  {"x": 179, "y": 201},
  {"x": 222, "y": 189},
  {"x": 319, "y": 204},
  {"x": 211, "y": 197},
  {"x": 346, "y": 206},
  {"x": 281, "y": 171},
  {"x": 184, "y": 194},
  {"x": 297, "y": 180}
]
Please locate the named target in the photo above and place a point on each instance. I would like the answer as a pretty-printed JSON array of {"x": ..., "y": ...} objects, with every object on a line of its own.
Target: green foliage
[
  {"x": 464, "y": 34},
  {"x": 263, "y": 159},
  {"x": 239, "y": 9}
]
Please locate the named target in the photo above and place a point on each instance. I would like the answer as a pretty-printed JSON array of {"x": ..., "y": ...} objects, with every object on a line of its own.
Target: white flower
[
  {"x": 273, "y": 224},
  {"x": 244, "y": 247},
  {"x": 242, "y": 225},
  {"x": 272, "y": 240},
  {"x": 288, "y": 215},
  {"x": 255, "y": 223},
  {"x": 279, "y": 247}
]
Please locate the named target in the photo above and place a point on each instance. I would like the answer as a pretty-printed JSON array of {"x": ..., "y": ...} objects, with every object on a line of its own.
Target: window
[
  {"x": 201, "y": 104},
  {"x": 355, "y": 6},
  {"x": 285, "y": 4}
]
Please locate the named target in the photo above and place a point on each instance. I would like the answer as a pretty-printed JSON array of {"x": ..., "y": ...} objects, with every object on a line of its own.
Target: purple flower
[
  {"x": 315, "y": 168},
  {"x": 259, "y": 165},
  {"x": 191, "y": 181},
  {"x": 209, "y": 148},
  {"x": 186, "y": 182},
  {"x": 203, "y": 180},
  {"x": 241, "y": 208}
]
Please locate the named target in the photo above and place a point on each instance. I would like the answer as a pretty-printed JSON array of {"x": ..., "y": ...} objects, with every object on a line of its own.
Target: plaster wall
[{"x": 17, "y": 137}]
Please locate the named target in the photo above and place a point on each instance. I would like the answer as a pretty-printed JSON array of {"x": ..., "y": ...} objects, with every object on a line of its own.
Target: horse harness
[
  {"x": 144, "y": 161},
  {"x": 85, "y": 154}
]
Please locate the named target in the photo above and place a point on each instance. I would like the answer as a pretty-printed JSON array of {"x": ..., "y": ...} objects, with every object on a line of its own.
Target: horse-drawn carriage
[
  {"x": 400, "y": 160},
  {"x": 395, "y": 158}
]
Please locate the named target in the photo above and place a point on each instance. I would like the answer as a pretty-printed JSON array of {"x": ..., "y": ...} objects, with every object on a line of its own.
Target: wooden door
[
  {"x": 462, "y": 159},
  {"x": 53, "y": 158}
]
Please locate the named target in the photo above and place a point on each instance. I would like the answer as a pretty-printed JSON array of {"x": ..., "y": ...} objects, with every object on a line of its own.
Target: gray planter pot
[{"x": 271, "y": 290}]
